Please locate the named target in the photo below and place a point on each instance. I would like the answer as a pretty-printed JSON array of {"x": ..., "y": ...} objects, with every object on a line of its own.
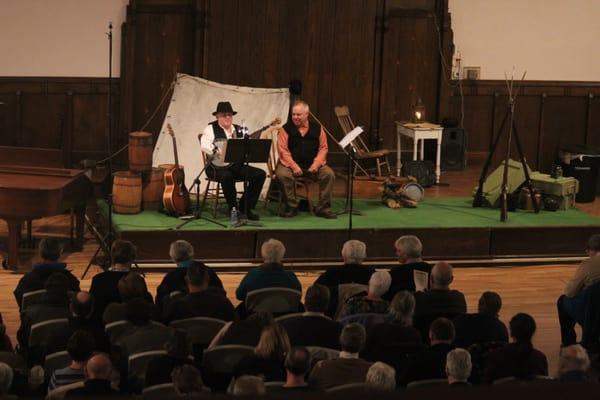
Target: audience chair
[
  {"x": 14, "y": 360},
  {"x": 159, "y": 392},
  {"x": 365, "y": 319},
  {"x": 426, "y": 383},
  {"x": 348, "y": 388},
  {"x": 201, "y": 330},
  {"x": 275, "y": 300},
  {"x": 138, "y": 362},
  {"x": 513, "y": 380},
  {"x": 43, "y": 333},
  {"x": 360, "y": 149},
  {"x": 590, "y": 332},
  {"x": 116, "y": 329},
  {"x": 285, "y": 317},
  {"x": 274, "y": 384},
  {"x": 32, "y": 297},
  {"x": 395, "y": 353},
  {"x": 60, "y": 392},
  {"x": 318, "y": 353},
  {"x": 347, "y": 290},
  {"x": 54, "y": 361},
  {"x": 213, "y": 189},
  {"x": 219, "y": 362}
]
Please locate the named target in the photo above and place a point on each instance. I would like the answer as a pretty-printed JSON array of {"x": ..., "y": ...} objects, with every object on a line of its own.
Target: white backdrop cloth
[{"x": 190, "y": 111}]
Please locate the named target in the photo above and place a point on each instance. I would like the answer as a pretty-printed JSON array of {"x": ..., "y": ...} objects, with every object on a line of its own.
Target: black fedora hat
[{"x": 224, "y": 107}]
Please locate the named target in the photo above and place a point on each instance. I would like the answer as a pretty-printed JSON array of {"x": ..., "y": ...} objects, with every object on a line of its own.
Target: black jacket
[
  {"x": 313, "y": 330},
  {"x": 36, "y": 279}
]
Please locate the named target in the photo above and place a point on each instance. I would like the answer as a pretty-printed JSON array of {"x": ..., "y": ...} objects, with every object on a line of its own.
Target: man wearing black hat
[{"x": 227, "y": 174}]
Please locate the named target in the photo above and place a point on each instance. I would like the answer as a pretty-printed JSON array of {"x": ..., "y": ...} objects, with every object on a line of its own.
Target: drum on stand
[
  {"x": 140, "y": 151},
  {"x": 153, "y": 186},
  {"x": 127, "y": 192}
]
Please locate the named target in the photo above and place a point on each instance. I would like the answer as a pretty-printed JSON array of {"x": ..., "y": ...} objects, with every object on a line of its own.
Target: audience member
[
  {"x": 372, "y": 302},
  {"x": 349, "y": 368},
  {"x": 98, "y": 371},
  {"x": 381, "y": 376},
  {"x": 131, "y": 286},
  {"x": 199, "y": 302},
  {"x": 573, "y": 364},
  {"x": 430, "y": 363},
  {"x": 248, "y": 385},
  {"x": 245, "y": 332},
  {"x": 458, "y": 367},
  {"x": 178, "y": 347},
  {"x": 269, "y": 355},
  {"x": 6, "y": 381},
  {"x": 571, "y": 305},
  {"x": 314, "y": 328},
  {"x": 50, "y": 251},
  {"x": 55, "y": 304},
  {"x": 5, "y": 342},
  {"x": 187, "y": 381},
  {"x": 439, "y": 300},
  {"x": 80, "y": 348},
  {"x": 385, "y": 340},
  {"x": 519, "y": 358},
  {"x": 354, "y": 252},
  {"x": 409, "y": 252},
  {"x": 483, "y": 326},
  {"x": 104, "y": 286},
  {"x": 297, "y": 367},
  {"x": 182, "y": 254},
  {"x": 270, "y": 274}
]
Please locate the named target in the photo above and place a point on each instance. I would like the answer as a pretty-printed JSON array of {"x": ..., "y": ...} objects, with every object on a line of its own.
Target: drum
[
  {"x": 140, "y": 151},
  {"x": 153, "y": 186},
  {"x": 127, "y": 192},
  {"x": 414, "y": 191}
]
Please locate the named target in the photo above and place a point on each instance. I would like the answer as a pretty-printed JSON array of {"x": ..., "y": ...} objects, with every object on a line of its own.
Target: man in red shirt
[{"x": 302, "y": 147}]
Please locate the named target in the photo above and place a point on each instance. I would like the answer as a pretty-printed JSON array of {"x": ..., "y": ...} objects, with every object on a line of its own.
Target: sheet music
[{"x": 350, "y": 136}]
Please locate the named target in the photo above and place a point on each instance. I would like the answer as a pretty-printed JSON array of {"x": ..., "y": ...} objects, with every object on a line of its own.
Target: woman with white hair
[
  {"x": 270, "y": 274},
  {"x": 371, "y": 302},
  {"x": 381, "y": 376}
]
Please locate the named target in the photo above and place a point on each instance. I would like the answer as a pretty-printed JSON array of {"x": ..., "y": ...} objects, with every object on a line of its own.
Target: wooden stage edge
[{"x": 485, "y": 245}]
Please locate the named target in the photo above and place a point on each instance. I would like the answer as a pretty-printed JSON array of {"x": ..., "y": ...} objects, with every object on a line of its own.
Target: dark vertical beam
[
  {"x": 540, "y": 147},
  {"x": 67, "y": 128},
  {"x": 200, "y": 21},
  {"x": 380, "y": 28},
  {"x": 493, "y": 124},
  {"x": 19, "y": 118},
  {"x": 588, "y": 122}
]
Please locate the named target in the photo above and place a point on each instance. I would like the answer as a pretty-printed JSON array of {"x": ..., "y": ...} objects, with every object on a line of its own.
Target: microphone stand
[{"x": 243, "y": 222}]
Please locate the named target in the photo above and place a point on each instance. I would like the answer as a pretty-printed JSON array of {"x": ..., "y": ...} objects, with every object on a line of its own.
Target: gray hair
[
  {"x": 302, "y": 103},
  {"x": 353, "y": 338},
  {"x": 573, "y": 358},
  {"x": 272, "y": 251},
  {"x": 181, "y": 250},
  {"x": 403, "y": 307},
  {"x": 381, "y": 376},
  {"x": 6, "y": 377},
  {"x": 410, "y": 245},
  {"x": 379, "y": 283},
  {"x": 354, "y": 252},
  {"x": 458, "y": 364},
  {"x": 247, "y": 385}
]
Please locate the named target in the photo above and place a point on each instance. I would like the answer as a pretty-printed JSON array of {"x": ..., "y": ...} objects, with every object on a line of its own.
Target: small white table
[{"x": 419, "y": 132}]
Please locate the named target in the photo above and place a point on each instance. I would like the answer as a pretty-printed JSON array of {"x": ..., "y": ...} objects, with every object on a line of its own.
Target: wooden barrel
[
  {"x": 140, "y": 151},
  {"x": 153, "y": 187},
  {"x": 127, "y": 192}
]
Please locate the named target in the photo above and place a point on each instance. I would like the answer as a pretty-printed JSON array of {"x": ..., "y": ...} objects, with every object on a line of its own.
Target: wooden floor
[{"x": 533, "y": 290}]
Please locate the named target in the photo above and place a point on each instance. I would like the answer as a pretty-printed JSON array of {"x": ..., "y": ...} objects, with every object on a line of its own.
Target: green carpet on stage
[{"x": 442, "y": 212}]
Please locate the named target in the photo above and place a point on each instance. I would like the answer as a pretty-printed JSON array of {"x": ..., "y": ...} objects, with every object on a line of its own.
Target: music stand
[{"x": 245, "y": 151}]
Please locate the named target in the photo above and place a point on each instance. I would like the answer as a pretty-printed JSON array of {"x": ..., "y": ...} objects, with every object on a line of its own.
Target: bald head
[
  {"x": 98, "y": 367},
  {"x": 441, "y": 276},
  {"x": 82, "y": 304}
]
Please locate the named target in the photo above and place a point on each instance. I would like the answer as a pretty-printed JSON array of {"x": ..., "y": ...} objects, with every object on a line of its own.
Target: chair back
[
  {"x": 426, "y": 383},
  {"x": 116, "y": 329},
  {"x": 365, "y": 319},
  {"x": 31, "y": 298},
  {"x": 289, "y": 316},
  {"x": 13, "y": 360},
  {"x": 395, "y": 353},
  {"x": 223, "y": 359},
  {"x": 276, "y": 300},
  {"x": 348, "y": 388},
  {"x": 159, "y": 392},
  {"x": 201, "y": 330},
  {"x": 138, "y": 362},
  {"x": 54, "y": 361},
  {"x": 343, "y": 116},
  {"x": 60, "y": 392},
  {"x": 43, "y": 333},
  {"x": 513, "y": 380},
  {"x": 347, "y": 290},
  {"x": 318, "y": 353}
]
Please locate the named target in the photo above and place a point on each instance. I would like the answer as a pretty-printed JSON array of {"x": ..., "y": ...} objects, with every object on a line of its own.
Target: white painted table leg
[
  {"x": 422, "y": 153},
  {"x": 415, "y": 145},
  {"x": 438, "y": 153},
  {"x": 398, "y": 152}
]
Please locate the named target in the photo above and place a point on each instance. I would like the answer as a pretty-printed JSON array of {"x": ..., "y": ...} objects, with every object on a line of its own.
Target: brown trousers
[{"x": 325, "y": 177}]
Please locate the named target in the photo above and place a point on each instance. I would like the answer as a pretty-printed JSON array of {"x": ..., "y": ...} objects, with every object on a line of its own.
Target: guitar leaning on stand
[{"x": 176, "y": 197}]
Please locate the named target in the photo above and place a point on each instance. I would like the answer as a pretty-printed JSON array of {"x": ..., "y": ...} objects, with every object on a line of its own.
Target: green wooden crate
[{"x": 566, "y": 188}]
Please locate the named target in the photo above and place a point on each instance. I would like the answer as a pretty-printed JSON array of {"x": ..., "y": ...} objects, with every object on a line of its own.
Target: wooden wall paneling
[
  {"x": 540, "y": 148},
  {"x": 527, "y": 113},
  {"x": 446, "y": 45},
  {"x": 200, "y": 21},
  {"x": 593, "y": 133},
  {"x": 67, "y": 139},
  {"x": 478, "y": 120},
  {"x": 8, "y": 119},
  {"x": 90, "y": 126},
  {"x": 380, "y": 27},
  {"x": 565, "y": 120},
  {"x": 43, "y": 120}
]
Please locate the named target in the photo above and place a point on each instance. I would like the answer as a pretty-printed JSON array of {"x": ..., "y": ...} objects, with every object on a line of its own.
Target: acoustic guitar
[
  {"x": 176, "y": 197},
  {"x": 256, "y": 134}
]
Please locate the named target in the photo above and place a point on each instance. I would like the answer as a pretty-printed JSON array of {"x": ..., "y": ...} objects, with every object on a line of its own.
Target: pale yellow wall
[
  {"x": 550, "y": 39},
  {"x": 59, "y": 37}
]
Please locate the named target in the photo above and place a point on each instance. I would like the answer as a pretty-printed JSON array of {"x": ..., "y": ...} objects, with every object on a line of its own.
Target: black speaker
[{"x": 453, "y": 155}]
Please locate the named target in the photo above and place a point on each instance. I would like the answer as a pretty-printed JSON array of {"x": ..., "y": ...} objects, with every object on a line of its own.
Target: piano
[{"x": 28, "y": 193}]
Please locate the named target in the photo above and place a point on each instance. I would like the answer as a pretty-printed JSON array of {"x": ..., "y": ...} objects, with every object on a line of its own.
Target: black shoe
[
  {"x": 325, "y": 213},
  {"x": 289, "y": 213},
  {"x": 252, "y": 216}
]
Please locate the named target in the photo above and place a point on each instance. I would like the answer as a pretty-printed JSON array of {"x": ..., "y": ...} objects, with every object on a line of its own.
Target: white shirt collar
[{"x": 345, "y": 354}]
